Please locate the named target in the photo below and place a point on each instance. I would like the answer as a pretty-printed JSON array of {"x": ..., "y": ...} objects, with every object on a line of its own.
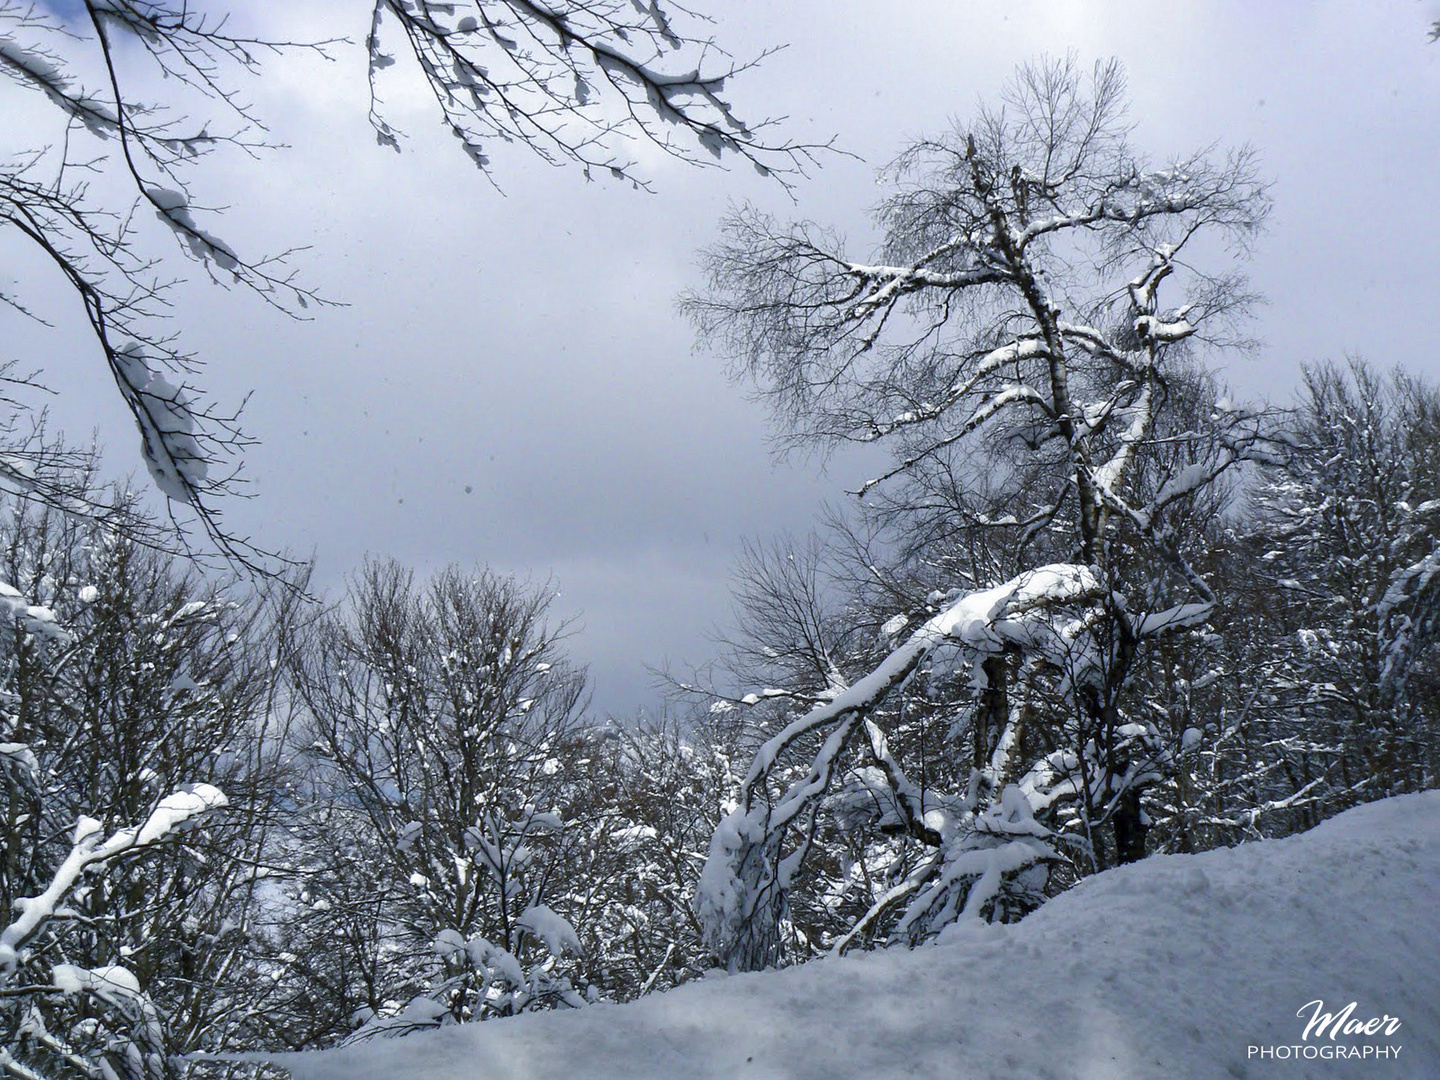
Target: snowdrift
[{"x": 1175, "y": 967}]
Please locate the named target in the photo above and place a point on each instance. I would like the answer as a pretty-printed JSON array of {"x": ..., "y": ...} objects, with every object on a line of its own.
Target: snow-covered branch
[{"x": 91, "y": 850}]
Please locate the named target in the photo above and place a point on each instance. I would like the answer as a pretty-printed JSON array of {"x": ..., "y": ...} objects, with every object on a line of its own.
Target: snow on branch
[
  {"x": 573, "y": 81},
  {"x": 37, "y": 620},
  {"x": 172, "y": 814},
  {"x": 1178, "y": 617},
  {"x": 970, "y": 875},
  {"x": 20, "y": 760},
  {"x": 983, "y": 620},
  {"x": 885, "y": 284},
  {"x": 167, "y": 424},
  {"x": 742, "y": 876},
  {"x": 993, "y": 404}
]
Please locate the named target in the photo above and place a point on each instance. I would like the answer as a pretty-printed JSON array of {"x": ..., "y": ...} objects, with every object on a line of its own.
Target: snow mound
[{"x": 1175, "y": 967}]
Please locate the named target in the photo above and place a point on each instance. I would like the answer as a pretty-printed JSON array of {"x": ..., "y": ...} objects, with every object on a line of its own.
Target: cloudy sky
[{"x": 509, "y": 383}]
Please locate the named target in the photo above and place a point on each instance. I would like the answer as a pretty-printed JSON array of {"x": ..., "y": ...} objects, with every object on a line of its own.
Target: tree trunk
[
  {"x": 993, "y": 712},
  {"x": 1130, "y": 828}
]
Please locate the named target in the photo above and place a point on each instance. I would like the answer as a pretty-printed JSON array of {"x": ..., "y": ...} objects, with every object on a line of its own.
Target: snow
[
  {"x": 1191, "y": 478},
  {"x": 167, "y": 425},
  {"x": 1163, "y": 332},
  {"x": 177, "y": 810},
  {"x": 194, "y": 607},
  {"x": 173, "y": 813},
  {"x": 22, "y": 756},
  {"x": 720, "y": 895},
  {"x": 1174, "y": 967},
  {"x": 173, "y": 208},
  {"x": 1182, "y": 615},
  {"x": 111, "y": 982},
  {"x": 895, "y": 624},
  {"x": 559, "y": 936},
  {"x": 37, "y": 620}
]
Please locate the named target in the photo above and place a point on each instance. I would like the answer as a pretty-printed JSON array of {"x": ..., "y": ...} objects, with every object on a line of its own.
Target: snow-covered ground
[{"x": 1171, "y": 968}]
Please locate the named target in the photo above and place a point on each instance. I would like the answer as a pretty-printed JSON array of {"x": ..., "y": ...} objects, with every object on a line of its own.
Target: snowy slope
[{"x": 1171, "y": 968}]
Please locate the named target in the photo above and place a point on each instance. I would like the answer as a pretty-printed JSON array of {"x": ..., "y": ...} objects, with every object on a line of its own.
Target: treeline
[
  {"x": 982, "y": 784},
  {"x": 423, "y": 824},
  {"x": 230, "y": 820},
  {"x": 1092, "y": 608}
]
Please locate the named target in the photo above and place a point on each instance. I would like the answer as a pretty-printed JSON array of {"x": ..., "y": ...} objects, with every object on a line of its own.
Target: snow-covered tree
[
  {"x": 1315, "y": 686},
  {"x": 1028, "y": 329},
  {"x": 443, "y": 719},
  {"x": 1348, "y": 536},
  {"x": 650, "y": 795},
  {"x": 135, "y": 703},
  {"x": 65, "y": 1019},
  {"x": 117, "y": 81}
]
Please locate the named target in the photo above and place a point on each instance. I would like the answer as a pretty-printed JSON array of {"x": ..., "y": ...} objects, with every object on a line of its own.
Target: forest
[{"x": 1092, "y": 608}]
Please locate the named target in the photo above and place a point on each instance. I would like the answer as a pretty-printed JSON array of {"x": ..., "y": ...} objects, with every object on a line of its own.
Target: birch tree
[{"x": 1037, "y": 308}]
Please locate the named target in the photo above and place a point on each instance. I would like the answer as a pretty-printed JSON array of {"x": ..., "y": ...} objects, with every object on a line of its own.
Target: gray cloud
[{"x": 525, "y": 347}]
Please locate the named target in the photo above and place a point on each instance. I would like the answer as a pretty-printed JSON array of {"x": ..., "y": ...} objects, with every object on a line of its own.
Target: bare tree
[
  {"x": 1348, "y": 535},
  {"x": 570, "y": 81},
  {"x": 1015, "y": 332},
  {"x": 444, "y": 720},
  {"x": 135, "y": 694},
  {"x": 640, "y": 817}
]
